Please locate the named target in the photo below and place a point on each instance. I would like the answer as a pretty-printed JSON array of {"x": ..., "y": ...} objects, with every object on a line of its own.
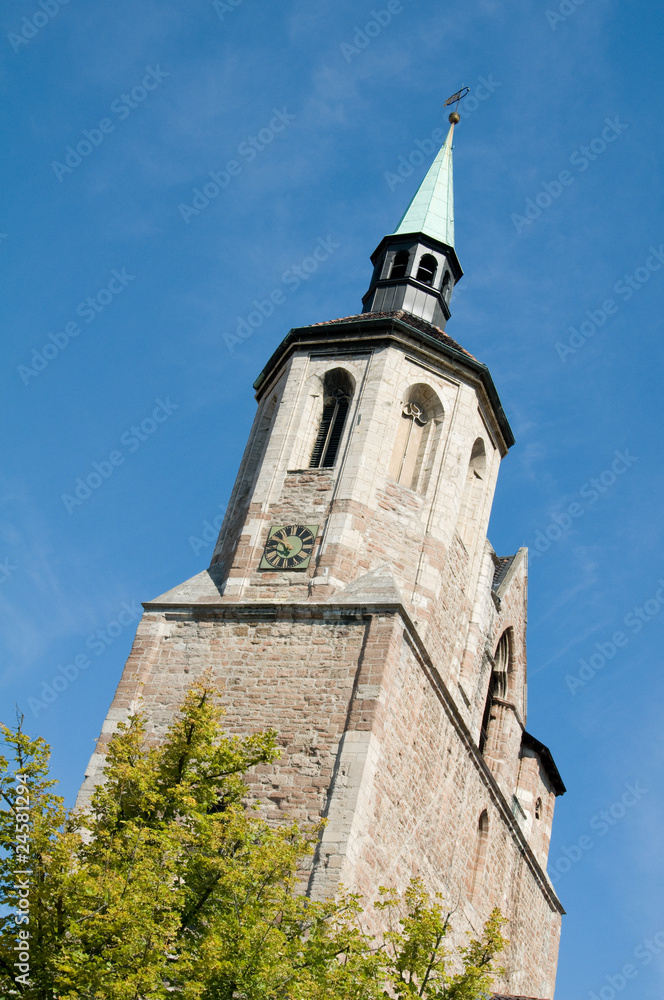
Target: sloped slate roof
[
  {"x": 406, "y": 317},
  {"x": 529, "y": 742},
  {"x": 372, "y": 322}
]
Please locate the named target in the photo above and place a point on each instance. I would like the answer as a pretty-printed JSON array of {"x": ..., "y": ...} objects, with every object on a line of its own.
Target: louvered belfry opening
[
  {"x": 426, "y": 272},
  {"x": 337, "y": 396},
  {"x": 400, "y": 264}
]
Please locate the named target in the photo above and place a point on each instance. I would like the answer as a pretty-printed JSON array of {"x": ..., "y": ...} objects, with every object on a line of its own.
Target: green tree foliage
[{"x": 173, "y": 886}]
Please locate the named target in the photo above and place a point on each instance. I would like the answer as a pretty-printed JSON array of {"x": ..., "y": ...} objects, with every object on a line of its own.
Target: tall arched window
[
  {"x": 417, "y": 438},
  {"x": 337, "y": 394},
  {"x": 498, "y": 686},
  {"x": 400, "y": 264},
  {"x": 426, "y": 272},
  {"x": 478, "y": 864},
  {"x": 473, "y": 494},
  {"x": 486, "y": 717}
]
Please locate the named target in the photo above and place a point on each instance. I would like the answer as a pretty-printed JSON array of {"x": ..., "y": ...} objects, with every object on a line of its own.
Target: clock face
[{"x": 289, "y": 546}]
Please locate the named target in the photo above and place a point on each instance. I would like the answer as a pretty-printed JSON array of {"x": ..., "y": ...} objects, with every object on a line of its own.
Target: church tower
[{"x": 354, "y": 603}]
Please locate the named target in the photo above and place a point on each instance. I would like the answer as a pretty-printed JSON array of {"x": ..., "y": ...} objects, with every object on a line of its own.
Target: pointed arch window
[
  {"x": 337, "y": 394},
  {"x": 416, "y": 419},
  {"x": 417, "y": 438},
  {"x": 486, "y": 718},
  {"x": 473, "y": 493},
  {"x": 400, "y": 264},
  {"x": 426, "y": 272},
  {"x": 498, "y": 686}
]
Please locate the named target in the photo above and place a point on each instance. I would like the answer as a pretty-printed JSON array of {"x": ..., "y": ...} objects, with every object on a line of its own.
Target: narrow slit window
[{"x": 478, "y": 865}]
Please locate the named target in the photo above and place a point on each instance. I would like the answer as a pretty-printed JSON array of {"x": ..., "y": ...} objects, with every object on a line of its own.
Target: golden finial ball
[{"x": 454, "y": 118}]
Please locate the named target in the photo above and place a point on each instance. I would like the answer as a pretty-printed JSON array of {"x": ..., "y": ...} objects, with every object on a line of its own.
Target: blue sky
[{"x": 334, "y": 118}]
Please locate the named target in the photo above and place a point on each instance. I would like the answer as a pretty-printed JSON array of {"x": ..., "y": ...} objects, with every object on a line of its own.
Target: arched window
[
  {"x": 417, "y": 438},
  {"x": 337, "y": 394},
  {"x": 426, "y": 272},
  {"x": 486, "y": 718},
  {"x": 538, "y": 809},
  {"x": 478, "y": 864},
  {"x": 473, "y": 493},
  {"x": 400, "y": 264},
  {"x": 447, "y": 286},
  {"x": 498, "y": 686},
  {"x": 502, "y": 662}
]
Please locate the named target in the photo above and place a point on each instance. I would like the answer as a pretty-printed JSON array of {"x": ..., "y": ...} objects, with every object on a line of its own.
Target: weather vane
[{"x": 455, "y": 118}]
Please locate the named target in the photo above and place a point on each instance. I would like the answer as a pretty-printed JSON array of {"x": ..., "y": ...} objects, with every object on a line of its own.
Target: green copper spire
[{"x": 432, "y": 209}]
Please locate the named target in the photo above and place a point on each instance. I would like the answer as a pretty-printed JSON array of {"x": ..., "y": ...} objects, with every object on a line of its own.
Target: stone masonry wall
[
  {"x": 370, "y": 739},
  {"x": 429, "y": 788},
  {"x": 273, "y": 672}
]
